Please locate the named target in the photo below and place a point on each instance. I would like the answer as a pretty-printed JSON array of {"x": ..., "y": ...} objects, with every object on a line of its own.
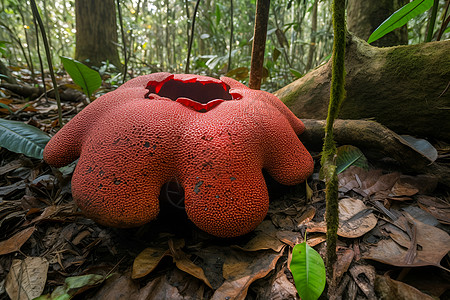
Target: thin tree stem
[
  {"x": 432, "y": 21},
  {"x": 125, "y": 57},
  {"x": 259, "y": 43},
  {"x": 49, "y": 59},
  {"x": 231, "y": 36},
  {"x": 191, "y": 37}
]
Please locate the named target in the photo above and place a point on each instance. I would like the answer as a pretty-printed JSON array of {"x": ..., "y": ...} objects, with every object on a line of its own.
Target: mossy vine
[{"x": 337, "y": 94}]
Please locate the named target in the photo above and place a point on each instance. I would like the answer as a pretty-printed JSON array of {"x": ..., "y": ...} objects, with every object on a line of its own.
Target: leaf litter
[{"x": 392, "y": 224}]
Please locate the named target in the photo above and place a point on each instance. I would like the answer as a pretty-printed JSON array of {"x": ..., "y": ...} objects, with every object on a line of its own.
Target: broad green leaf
[
  {"x": 349, "y": 155},
  {"x": 308, "y": 270},
  {"x": 400, "y": 18},
  {"x": 22, "y": 138},
  {"x": 88, "y": 79}
]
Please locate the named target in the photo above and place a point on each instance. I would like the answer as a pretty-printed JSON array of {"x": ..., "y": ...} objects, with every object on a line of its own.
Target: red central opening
[{"x": 199, "y": 95}]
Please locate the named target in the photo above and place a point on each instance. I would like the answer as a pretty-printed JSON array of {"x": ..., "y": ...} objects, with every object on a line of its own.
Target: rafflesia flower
[{"x": 213, "y": 136}]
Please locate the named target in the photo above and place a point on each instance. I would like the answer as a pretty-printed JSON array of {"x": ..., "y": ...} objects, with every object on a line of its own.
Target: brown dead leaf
[
  {"x": 147, "y": 261},
  {"x": 15, "y": 242},
  {"x": 383, "y": 183},
  {"x": 364, "y": 276},
  {"x": 390, "y": 289},
  {"x": 355, "y": 219},
  {"x": 307, "y": 216},
  {"x": 55, "y": 213},
  {"x": 316, "y": 240},
  {"x": 241, "y": 269},
  {"x": 366, "y": 183},
  {"x": 282, "y": 288},
  {"x": 158, "y": 289},
  {"x": 423, "y": 183},
  {"x": 11, "y": 166},
  {"x": 266, "y": 238},
  {"x": 6, "y": 190},
  {"x": 434, "y": 245},
  {"x": 118, "y": 287},
  {"x": 290, "y": 238},
  {"x": 80, "y": 236},
  {"x": 402, "y": 188},
  {"x": 436, "y": 207},
  {"x": 185, "y": 264},
  {"x": 26, "y": 278},
  {"x": 344, "y": 259}
]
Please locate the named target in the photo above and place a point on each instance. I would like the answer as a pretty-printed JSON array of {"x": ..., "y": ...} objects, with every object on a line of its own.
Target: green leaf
[
  {"x": 88, "y": 79},
  {"x": 400, "y": 18},
  {"x": 275, "y": 54},
  {"x": 349, "y": 155},
  {"x": 308, "y": 270},
  {"x": 296, "y": 73},
  {"x": 4, "y": 105},
  {"x": 218, "y": 15},
  {"x": 22, "y": 138},
  {"x": 73, "y": 286}
]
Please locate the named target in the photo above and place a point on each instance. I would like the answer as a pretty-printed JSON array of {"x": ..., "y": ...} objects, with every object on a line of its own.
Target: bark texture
[
  {"x": 259, "y": 43},
  {"x": 96, "y": 37},
  {"x": 405, "y": 88}
]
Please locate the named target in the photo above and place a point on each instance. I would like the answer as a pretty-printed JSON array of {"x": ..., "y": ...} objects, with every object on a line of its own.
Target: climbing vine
[{"x": 329, "y": 147}]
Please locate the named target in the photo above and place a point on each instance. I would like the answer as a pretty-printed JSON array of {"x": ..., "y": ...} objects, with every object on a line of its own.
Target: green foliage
[
  {"x": 72, "y": 286},
  {"x": 400, "y": 18},
  {"x": 89, "y": 80},
  {"x": 349, "y": 155},
  {"x": 22, "y": 138},
  {"x": 308, "y": 270},
  {"x": 3, "y": 105},
  {"x": 296, "y": 73},
  {"x": 3, "y": 47}
]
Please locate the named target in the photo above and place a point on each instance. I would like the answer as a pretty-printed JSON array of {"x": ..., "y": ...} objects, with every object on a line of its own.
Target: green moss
[
  {"x": 411, "y": 62},
  {"x": 291, "y": 97}
]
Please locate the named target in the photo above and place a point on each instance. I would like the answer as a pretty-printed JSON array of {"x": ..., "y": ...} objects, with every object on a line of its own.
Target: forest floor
[{"x": 393, "y": 235}]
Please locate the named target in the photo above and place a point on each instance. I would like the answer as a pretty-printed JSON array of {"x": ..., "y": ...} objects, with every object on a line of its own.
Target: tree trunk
[
  {"x": 96, "y": 37},
  {"x": 405, "y": 88},
  {"x": 365, "y": 16},
  {"x": 312, "y": 44}
]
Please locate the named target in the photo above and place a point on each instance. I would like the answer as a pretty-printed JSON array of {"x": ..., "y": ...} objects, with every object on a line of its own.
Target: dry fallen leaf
[
  {"x": 390, "y": 289},
  {"x": 147, "y": 261},
  {"x": 355, "y": 219},
  {"x": 26, "y": 278},
  {"x": 282, "y": 288},
  {"x": 118, "y": 287},
  {"x": 185, "y": 264},
  {"x": 436, "y": 207},
  {"x": 344, "y": 259},
  {"x": 241, "y": 269},
  {"x": 434, "y": 244},
  {"x": 364, "y": 276},
  {"x": 14, "y": 243},
  {"x": 266, "y": 238}
]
